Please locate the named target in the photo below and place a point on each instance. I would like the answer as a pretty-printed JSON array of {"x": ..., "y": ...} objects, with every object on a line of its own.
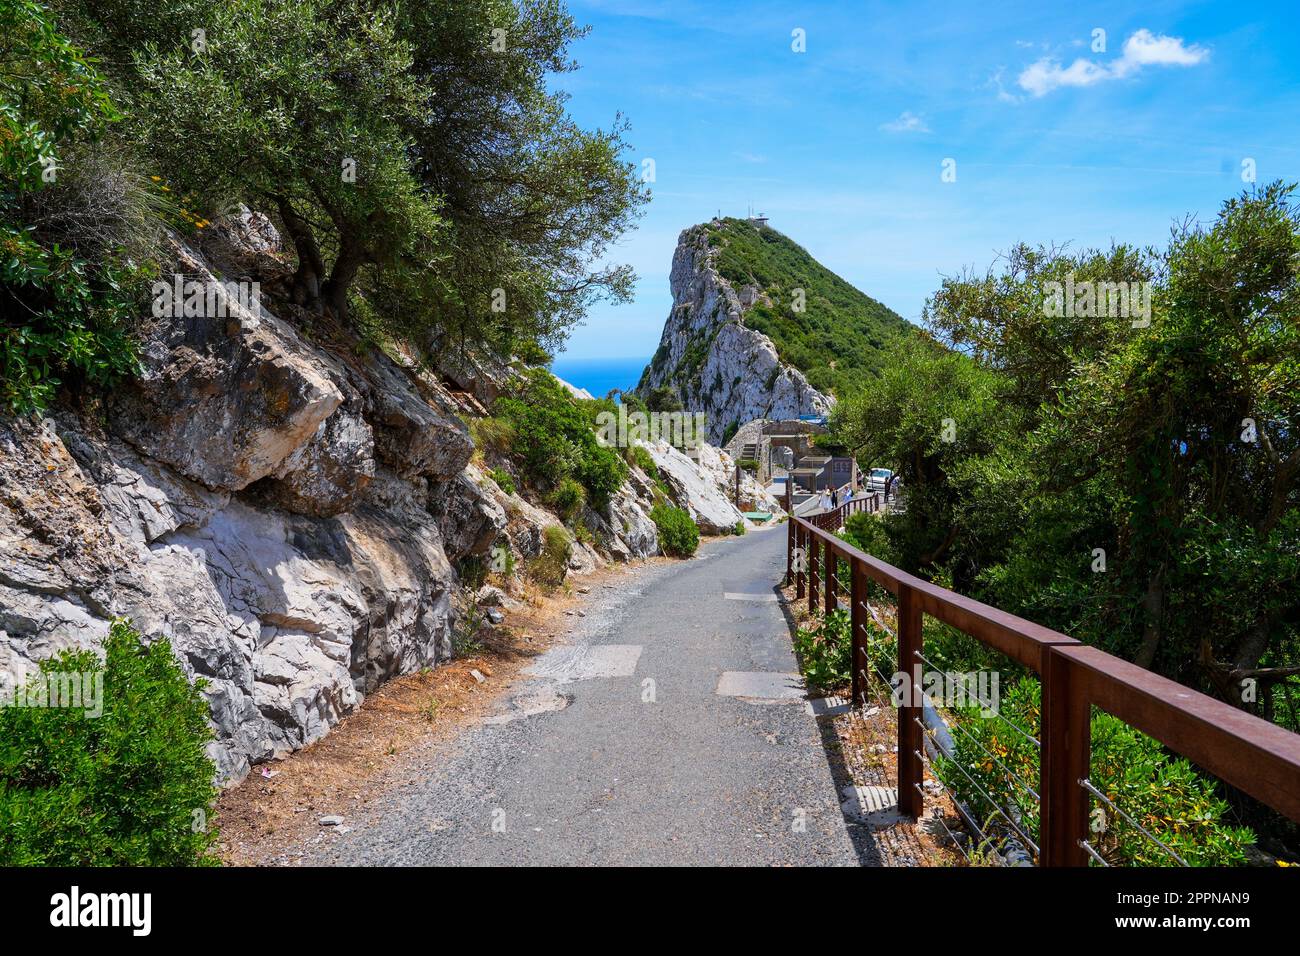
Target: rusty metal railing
[{"x": 1255, "y": 756}]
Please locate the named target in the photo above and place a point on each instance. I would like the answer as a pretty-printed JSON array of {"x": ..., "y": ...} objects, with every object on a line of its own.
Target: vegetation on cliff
[
  {"x": 120, "y": 780},
  {"x": 836, "y": 335}
]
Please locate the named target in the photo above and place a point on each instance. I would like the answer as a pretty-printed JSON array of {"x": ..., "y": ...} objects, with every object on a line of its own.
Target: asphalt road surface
[{"x": 672, "y": 731}]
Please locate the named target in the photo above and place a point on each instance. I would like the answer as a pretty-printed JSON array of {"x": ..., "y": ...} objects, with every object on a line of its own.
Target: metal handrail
[{"x": 1249, "y": 753}]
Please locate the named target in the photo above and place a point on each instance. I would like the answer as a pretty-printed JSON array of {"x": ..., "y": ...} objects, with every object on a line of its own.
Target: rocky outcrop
[
  {"x": 274, "y": 507},
  {"x": 694, "y": 490},
  {"x": 719, "y": 366}
]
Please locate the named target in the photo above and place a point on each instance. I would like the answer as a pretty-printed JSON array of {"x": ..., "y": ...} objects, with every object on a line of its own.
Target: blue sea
[{"x": 598, "y": 376}]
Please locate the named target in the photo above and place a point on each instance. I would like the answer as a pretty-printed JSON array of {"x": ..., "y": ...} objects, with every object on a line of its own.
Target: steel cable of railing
[
  {"x": 936, "y": 814},
  {"x": 1246, "y": 752},
  {"x": 1092, "y": 853},
  {"x": 956, "y": 725},
  {"x": 1088, "y": 785},
  {"x": 975, "y": 783},
  {"x": 984, "y": 838}
]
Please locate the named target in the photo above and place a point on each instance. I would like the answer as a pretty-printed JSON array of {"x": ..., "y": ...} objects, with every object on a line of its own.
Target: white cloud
[
  {"x": 1142, "y": 49},
  {"x": 907, "y": 122}
]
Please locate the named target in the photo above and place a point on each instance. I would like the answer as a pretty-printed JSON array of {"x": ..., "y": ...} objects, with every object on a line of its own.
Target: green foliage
[
  {"x": 553, "y": 439},
  {"x": 679, "y": 535},
  {"x": 1135, "y": 487},
  {"x": 641, "y": 458},
  {"x": 479, "y": 213},
  {"x": 64, "y": 301},
  {"x": 567, "y": 499},
  {"x": 1166, "y": 795},
  {"x": 131, "y": 787},
  {"x": 550, "y": 566},
  {"x": 838, "y": 339},
  {"x": 664, "y": 399},
  {"x": 747, "y": 464},
  {"x": 503, "y": 480},
  {"x": 824, "y": 652},
  {"x": 491, "y": 433},
  {"x": 1075, "y": 433},
  {"x": 866, "y": 532},
  {"x": 739, "y": 529}
]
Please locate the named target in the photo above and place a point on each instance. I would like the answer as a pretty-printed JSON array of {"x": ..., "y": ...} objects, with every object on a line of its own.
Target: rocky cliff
[
  {"x": 288, "y": 509},
  {"x": 717, "y": 364},
  {"x": 761, "y": 329}
]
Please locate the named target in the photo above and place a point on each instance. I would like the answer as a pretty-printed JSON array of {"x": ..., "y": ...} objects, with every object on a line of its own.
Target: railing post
[
  {"x": 910, "y": 734},
  {"x": 830, "y": 567},
  {"x": 800, "y": 543},
  {"x": 789, "y": 551},
  {"x": 1066, "y": 739},
  {"x": 857, "y": 625},
  {"x": 813, "y": 579}
]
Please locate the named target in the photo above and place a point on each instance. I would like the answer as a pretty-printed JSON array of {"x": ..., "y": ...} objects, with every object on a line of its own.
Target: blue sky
[{"x": 843, "y": 145}]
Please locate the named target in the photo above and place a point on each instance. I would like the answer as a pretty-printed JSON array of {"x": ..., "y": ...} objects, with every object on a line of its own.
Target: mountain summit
[{"x": 760, "y": 329}]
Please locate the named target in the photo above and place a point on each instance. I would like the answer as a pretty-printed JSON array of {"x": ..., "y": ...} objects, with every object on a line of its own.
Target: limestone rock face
[
  {"x": 717, "y": 364},
  {"x": 223, "y": 400},
  {"x": 695, "y": 489},
  {"x": 261, "y": 501},
  {"x": 467, "y": 514}
]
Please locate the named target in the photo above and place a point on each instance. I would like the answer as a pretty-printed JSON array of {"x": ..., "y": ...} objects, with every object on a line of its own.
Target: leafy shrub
[
  {"x": 1164, "y": 793},
  {"x": 679, "y": 535},
  {"x": 67, "y": 291},
  {"x": 866, "y": 532},
  {"x": 568, "y": 498},
  {"x": 503, "y": 480},
  {"x": 824, "y": 653},
  {"x": 554, "y": 439},
  {"x": 552, "y": 564},
  {"x": 130, "y": 787},
  {"x": 643, "y": 460},
  {"x": 747, "y": 464},
  {"x": 739, "y": 529}
]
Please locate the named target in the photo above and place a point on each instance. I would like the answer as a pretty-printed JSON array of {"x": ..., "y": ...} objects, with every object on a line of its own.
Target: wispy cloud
[
  {"x": 907, "y": 122},
  {"x": 1142, "y": 49}
]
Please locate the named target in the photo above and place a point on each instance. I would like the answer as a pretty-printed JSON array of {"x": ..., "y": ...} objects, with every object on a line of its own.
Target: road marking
[
  {"x": 742, "y": 596},
  {"x": 874, "y": 805},
  {"x": 760, "y": 686},
  {"x": 827, "y": 706},
  {"x": 587, "y": 661}
]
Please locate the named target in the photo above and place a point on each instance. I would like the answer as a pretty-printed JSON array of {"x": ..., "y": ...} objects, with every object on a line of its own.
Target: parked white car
[{"x": 876, "y": 479}]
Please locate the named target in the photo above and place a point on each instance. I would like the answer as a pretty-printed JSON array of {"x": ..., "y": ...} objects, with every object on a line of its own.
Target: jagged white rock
[{"x": 739, "y": 376}]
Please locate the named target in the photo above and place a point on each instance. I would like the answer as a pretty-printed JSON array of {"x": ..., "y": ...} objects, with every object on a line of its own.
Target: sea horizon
[{"x": 599, "y": 375}]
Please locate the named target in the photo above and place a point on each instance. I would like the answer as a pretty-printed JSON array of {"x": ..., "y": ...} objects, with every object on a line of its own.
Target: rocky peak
[{"x": 717, "y": 364}]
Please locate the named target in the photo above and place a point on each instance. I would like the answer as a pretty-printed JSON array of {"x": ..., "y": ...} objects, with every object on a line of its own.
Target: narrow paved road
[{"x": 629, "y": 747}]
